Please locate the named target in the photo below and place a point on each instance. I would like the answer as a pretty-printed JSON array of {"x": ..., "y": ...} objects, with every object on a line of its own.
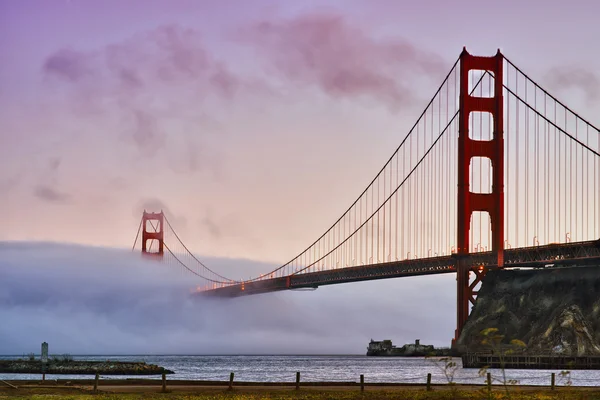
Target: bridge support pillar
[
  {"x": 465, "y": 289},
  {"x": 462, "y": 287},
  {"x": 469, "y": 202},
  {"x": 152, "y": 229}
]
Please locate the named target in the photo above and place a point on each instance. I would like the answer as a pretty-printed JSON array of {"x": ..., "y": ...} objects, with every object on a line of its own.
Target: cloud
[
  {"x": 154, "y": 84},
  {"x": 50, "y": 194},
  {"x": 167, "y": 53},
  {"x": 211, "y": 227},
  {"x": 54, "y": 163},
  {"x": 146, "y": 133},
  {"x": 9, "y": 184},
  {"x": 69, "y": 65},
  {"x": 155, "y": 205},
  {"x": 47, "y": 187},
  {"x": 341, "y": 59},
  {"x": 224, "y": 81},
  {"x": 89, "y": 300},
  {"x": 575, "y": 77},
  {"x": 217, "y": 225}
]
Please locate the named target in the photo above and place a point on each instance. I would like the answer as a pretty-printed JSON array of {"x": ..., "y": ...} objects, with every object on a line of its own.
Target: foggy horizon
[{"x": 78, "y": 308}]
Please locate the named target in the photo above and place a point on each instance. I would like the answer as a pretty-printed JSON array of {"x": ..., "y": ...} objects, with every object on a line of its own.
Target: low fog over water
[{"x": 89, "y": 300}]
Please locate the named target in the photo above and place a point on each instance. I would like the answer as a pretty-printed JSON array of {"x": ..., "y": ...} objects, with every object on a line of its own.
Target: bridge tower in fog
[
  {"x": 468, "y": 201},
  {"x": 153, "y": 229}
]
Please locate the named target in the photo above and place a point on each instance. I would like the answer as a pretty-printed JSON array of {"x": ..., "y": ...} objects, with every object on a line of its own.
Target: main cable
[{"x": 137, "y": 234}]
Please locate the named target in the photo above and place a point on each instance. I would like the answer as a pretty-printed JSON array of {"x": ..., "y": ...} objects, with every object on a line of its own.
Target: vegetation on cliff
[{"x": 555, "y": 311}]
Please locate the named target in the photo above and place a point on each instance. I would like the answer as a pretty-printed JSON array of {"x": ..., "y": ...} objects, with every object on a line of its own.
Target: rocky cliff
[{"x": 554, "y": 310}]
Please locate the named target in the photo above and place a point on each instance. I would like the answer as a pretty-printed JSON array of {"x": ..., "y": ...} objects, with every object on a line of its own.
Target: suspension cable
[
  {"x": 551, "y": 96},
  {"x": 180, "y": 262},
  {"x": 137, "y": 234},
  {"x": 553, "y": 124},
  {"x": 389, "y": 197},
  {"x": 194, "y": 257},
  {"x": 369, "y": 186}
]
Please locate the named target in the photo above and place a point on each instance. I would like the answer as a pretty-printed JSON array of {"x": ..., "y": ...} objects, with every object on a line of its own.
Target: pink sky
[{"x": 253, "y": 124}]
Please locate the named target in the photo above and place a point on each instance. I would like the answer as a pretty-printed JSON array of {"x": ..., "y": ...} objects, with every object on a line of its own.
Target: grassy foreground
[{"x": 321, "y": 393}]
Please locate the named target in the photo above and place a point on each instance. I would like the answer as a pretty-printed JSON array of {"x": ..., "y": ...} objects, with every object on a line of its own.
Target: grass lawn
[{"x": 320, "y": 393}]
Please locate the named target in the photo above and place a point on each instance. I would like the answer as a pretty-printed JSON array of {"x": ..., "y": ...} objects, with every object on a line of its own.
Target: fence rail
[{"x": 522, "y": 361}]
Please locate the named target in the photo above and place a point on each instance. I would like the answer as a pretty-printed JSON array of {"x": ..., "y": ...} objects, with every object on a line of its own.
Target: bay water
[{"x": 319, "y": 368}]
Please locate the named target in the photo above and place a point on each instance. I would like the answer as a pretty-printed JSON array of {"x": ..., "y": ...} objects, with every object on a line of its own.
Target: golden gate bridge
[{"x": 495, "y": 173}]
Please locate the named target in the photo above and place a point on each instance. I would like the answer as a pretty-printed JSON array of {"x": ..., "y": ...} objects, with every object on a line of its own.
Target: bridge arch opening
[
  {"x": 481, "y": 126},
  {"x": 481, "y": 173},
  {"x": 481, "y": 232},
  {"x": 152, "y": 246},
  {"x": 153, "y": 225},
  {"x": 481, "y": 83}
]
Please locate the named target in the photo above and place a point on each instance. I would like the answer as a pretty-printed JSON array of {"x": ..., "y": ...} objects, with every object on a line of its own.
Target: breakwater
[{"x": 79, "y": 367}]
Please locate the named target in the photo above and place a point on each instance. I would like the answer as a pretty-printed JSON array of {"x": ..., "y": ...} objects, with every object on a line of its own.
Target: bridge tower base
[{"x": 469, "y": 202}]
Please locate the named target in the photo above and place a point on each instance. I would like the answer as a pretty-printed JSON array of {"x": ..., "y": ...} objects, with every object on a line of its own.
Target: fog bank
[{"x": 88, "y": 300}]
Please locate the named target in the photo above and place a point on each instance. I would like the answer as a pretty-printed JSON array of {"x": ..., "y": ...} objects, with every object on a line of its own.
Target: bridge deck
[{"x": 578, "y": 253}]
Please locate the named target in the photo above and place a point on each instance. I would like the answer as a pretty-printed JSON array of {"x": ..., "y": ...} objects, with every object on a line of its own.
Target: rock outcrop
[{"x": 553, "y": 311}]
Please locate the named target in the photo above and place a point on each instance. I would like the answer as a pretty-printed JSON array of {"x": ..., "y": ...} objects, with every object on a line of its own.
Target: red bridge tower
[
  {"x": 153, "y": 231},
  {"x": 469, "y": 202}
]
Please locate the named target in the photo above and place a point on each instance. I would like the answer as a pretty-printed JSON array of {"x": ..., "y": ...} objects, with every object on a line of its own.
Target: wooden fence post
[
  {"x": 164, "y": 382},
  {"x": 231, "y": 381},
  {"x": 362, "y": 383},
  {"x": 96, "y": 383},
  {"x": 429, "y": 382},
  {"x": 553, "y": 381},
  {"x": 489, "y": 382},
  {"x": 297, "y": 380}
]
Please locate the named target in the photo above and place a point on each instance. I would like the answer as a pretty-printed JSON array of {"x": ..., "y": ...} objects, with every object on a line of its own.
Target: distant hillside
[{"x": 555, "y": 310}]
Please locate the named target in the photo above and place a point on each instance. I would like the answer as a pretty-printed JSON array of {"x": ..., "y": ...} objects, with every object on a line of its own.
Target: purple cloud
[
  {"x": 211, "y": 226},
  {"x": 341, "y": 59},
  {"x": 564, "y": 78},
  {"x": 50, "y": 194},
  {"x": 54, "y": 163},
  {"x": 155, "y": 76},
  {"x": 146, "y": 133},
  {"x": 224, "y": 81},
  {"x": 156, "y": 205},
  {"x": 68, "y": 64}
]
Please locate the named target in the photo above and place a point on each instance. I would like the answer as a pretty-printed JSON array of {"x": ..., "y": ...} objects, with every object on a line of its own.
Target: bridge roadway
[{"x": 577, "y": 253}]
